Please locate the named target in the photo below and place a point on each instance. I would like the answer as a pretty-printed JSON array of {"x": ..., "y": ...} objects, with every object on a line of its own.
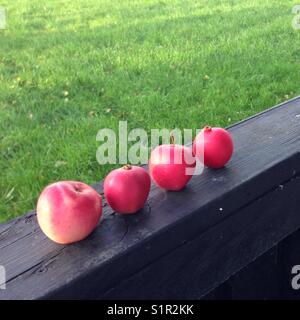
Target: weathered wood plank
[
  {"x": 123, "y": 246},
  {"x": 194, "y": 268},
  {"x": 260, "y": 280},
  {"x": 268, "y": 277}
]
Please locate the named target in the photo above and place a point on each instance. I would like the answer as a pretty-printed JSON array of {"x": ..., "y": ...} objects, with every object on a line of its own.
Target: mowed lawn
[{"x": 70, "y": 68}]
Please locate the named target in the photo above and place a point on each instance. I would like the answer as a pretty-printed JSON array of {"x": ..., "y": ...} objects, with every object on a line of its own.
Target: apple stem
[
  {"x": 127, "y": 167},
  {"x": 207, "y": 128},
  {"x": 172, "y": 138}
]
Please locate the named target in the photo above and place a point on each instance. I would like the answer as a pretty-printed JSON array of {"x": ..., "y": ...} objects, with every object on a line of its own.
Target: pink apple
[
  {"x": 126, "y": 189},
  {"x": 171, "y": 166},
  {"x": 213, "y": 146},
  {"x": 68, "y": 211}
]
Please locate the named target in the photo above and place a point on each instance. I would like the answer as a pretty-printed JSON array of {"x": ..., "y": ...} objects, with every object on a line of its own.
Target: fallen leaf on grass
[
  {"x": 60, "y": 163},
  {"x": 9, "y": 194}
]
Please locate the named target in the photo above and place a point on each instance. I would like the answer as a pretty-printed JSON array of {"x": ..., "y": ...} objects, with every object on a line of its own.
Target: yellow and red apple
[{"x": 68, "y": 211}]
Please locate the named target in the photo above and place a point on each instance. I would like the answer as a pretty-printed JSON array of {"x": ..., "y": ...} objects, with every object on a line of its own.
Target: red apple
[
  {"x": 213, "y": 146},
  {"x": 126, "y": 189},
  {"x": 68, "y": 211},
  {"x": 171, "y": 166}
]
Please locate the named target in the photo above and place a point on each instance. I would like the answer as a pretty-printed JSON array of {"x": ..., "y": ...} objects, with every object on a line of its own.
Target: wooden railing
[{"x": 190, "y": 244}]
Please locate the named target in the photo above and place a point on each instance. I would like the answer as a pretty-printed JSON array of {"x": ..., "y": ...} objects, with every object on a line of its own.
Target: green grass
[{"x": 141, "y": 61}]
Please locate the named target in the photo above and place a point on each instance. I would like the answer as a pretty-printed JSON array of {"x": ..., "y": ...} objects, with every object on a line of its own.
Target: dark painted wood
[
  {"x": 260, "y": 280},
  {"x": 196, "y": 267},
  {"x": 222, "y": 292},
  {"x": 267, "y": 277},
  {"x": 236, "y": 203}
]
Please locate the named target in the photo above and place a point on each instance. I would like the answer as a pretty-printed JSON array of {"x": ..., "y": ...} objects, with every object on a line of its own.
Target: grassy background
[{"x": 70, "y": 68}]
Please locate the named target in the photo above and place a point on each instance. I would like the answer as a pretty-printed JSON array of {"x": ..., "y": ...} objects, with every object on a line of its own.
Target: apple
[
  {"x": 171, "y": 166},
  {"x": 126, "y": 189},
  {"x": 213, "y": 146},
  {"x": 68, "y": 211}
]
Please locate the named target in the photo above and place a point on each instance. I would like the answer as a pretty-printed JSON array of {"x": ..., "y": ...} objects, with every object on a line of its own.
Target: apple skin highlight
[{"x": 68, "y": 211}]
